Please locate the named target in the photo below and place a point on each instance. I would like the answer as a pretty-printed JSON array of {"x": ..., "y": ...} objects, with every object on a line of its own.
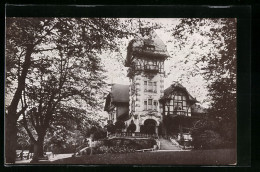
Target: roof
[
  {"x": 176, "y": 86},
  {"x": 139, "y": 43},
  {"x": 120, "y": 93}
]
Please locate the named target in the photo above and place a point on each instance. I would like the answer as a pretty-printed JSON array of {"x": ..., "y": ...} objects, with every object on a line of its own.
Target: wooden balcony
[{"x": 151, "y": 68}]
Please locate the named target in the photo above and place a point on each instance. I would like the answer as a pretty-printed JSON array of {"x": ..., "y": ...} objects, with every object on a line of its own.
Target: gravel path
[{"x": 56, "y": 157}]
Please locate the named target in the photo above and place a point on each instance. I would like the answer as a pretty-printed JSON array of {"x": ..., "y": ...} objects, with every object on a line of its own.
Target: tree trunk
[
  {"x": 38, "y": 149},
  {"x": 12, "y": 116},
  {"x": 10, "y": 139}
]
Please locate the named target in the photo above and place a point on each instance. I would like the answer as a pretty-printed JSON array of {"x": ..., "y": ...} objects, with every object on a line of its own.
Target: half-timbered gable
[{"x": 177, "y": 100}]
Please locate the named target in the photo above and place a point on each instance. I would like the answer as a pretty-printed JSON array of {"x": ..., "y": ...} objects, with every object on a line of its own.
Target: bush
[
  {"x": 123, "y": 145},
  {"x": 131, "y": 128},
  {"x": 121, "y": 149},
  {"x": 111, "y": 128},
  {"x": 207, "y": 139},
  {"x": 119, "y": 125},
  {"x": 113, "y": 149}
]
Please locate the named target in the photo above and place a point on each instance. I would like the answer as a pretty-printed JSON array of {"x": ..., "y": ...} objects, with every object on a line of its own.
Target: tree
[
  {"x": 119, "y": 125},
  {"x": 98, "y": 132},
  {"x": 205, "y": 134},
  {"x": 111, "y": 128},
  {"x": 23, "y": 140},
  {"x": 212, "y": 44},
  {"x": 29, "y": 38},
  {"x": 23, "y": 35},
  {"x": 131, "y": 128}
]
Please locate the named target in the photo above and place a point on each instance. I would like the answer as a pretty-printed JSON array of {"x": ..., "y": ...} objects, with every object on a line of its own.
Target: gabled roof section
[
  {"x": 120, "y": 93},
  {"x": 149, "y": 45},
  {"x": 177, "y": 86}
]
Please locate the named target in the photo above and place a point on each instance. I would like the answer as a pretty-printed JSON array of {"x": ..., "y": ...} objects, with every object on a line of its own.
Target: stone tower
[{"x": 145, "y": 61}]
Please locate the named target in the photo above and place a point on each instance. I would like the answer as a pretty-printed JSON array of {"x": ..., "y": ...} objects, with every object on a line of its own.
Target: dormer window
[{"x": 148, "y": 46}]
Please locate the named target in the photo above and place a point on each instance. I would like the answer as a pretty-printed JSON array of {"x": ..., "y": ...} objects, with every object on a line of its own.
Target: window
[
  {"x": 145, "y": 86},
  {"x": 150, "y": 86},
  {"x": 150, "y": 104},
  {"x": 155, "y": 87},
  {"x": 178, "y": 104},
  {"x": 155, "y": 105},
  {"x": 168, "y": 110},
  {"x": 133, "y": 106},
  {"x": 145, "y": 105}
]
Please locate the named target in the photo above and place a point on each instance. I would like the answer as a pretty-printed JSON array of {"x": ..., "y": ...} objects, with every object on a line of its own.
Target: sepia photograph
[{"x": 136, "y": 91}]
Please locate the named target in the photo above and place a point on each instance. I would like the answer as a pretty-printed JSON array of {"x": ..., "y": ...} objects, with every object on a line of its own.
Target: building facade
[
  {"x": 148, "y": 103},
  {"x": 145, "y": 61}
]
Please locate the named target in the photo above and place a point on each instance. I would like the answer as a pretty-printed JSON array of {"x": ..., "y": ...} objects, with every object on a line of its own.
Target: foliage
[
  {"x": 217, "y": 64},
  {"x": 119, "y": 125},
  {"x": 206, "y": 134},
  {"x": 131, "y": 128},
  {"x": 111, "y": 128},
  {"x": 51, "y": 60},
  {"x": 117, "y": 149},
  {"x": 207, "y": 139},
  {"x": 23, "y": 140},
  {"x": 171, "y": 125},
  {"x": 98, "y": 133},
  {"x": 136, "y": 144}
]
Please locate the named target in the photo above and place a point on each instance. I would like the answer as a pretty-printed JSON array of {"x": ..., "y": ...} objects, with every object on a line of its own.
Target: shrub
[
  {"x": 131, "y": 128},
  {"x": 119, "y": 125},
  {"x": 129, "y": 144},
  {"x": 121, "y": 149},
  {"x": 113, "y": 149},
  {"x": 111, "y": 128},
  {"x": 207, "y": 139}
]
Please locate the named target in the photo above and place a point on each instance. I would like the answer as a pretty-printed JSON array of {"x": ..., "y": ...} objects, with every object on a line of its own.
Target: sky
[{"x": 176, "y": 68}]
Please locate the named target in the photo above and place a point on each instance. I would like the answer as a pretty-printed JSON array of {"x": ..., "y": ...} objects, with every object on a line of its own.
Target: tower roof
[{"x": 147, "y": 45}]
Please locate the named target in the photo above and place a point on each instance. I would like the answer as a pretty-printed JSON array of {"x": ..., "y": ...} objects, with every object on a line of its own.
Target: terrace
[{"x": 131, "y": 135}]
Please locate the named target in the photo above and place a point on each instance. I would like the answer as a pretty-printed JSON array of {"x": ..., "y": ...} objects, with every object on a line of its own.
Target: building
[
  {"x": 145, "y": 103},
  {"x": 117, "y": 103}
]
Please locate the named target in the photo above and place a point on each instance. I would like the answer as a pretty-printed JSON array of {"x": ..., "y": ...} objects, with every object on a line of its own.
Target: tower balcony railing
[{"x": 151, "y": 68}]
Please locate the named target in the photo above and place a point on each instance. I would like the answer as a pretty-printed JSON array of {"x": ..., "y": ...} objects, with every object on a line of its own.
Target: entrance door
[{"x": 149, "y": 127}]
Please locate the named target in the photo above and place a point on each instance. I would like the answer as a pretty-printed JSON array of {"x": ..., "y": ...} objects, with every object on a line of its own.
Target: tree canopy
[
  {"x": 216, "y": 62},
  {"x": 50, "y": 60}
]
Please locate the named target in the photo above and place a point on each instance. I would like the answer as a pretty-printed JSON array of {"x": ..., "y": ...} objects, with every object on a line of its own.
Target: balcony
[
  {"x": 150, "y": 91},
  {"x": 151, "y": 68}
]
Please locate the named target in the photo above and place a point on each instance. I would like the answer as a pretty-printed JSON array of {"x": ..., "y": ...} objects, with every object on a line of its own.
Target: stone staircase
[{"x": 168, "y": 145}]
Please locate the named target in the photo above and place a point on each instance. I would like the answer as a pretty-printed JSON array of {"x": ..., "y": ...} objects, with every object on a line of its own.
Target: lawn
[{"x": 194, "y": 157}]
